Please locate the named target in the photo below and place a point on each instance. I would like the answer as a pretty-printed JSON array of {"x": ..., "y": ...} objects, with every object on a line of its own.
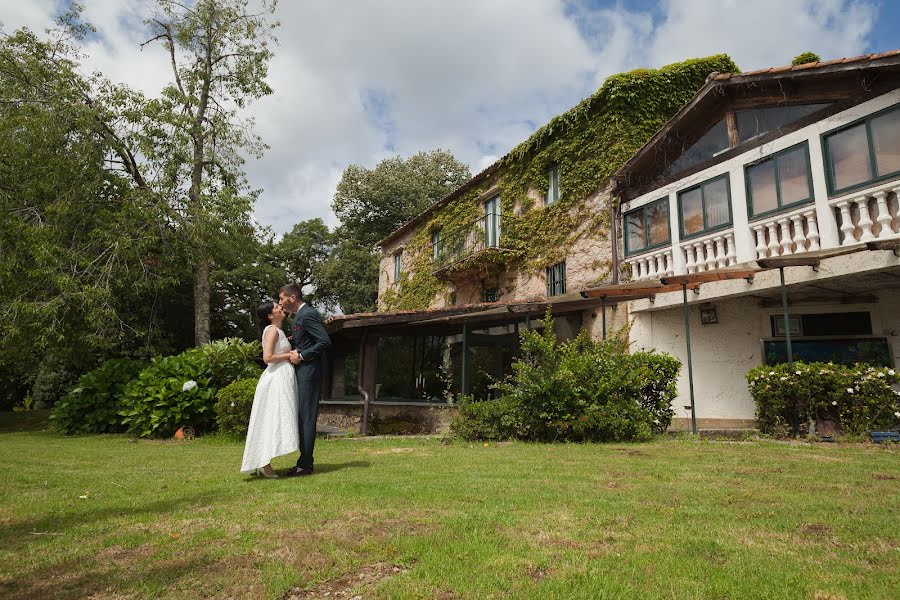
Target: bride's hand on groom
[{"x": 295, "y": 357}]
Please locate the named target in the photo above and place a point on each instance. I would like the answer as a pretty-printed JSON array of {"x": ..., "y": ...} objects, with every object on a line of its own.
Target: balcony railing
[
  {"x": 868, "y": 215},
  {"x": 479, "y": 236}
]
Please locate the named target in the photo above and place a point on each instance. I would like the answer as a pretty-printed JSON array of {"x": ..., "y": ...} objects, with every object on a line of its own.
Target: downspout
[{"x": 360, "y": 376}]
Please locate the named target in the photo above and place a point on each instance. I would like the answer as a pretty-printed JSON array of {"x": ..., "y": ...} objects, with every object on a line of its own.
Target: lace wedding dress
[{"x": 273, "y": 419}]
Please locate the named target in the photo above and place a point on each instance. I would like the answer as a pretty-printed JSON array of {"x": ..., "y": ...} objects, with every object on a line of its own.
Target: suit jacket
[{"x": 311, "y": 340}]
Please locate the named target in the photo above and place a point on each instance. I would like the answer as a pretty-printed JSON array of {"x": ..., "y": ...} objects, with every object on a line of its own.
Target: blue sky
[{"x": 357, "y": 81}]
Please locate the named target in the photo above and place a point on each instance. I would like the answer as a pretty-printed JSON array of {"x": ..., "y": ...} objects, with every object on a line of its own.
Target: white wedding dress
[{"x": 273, "y": 419}]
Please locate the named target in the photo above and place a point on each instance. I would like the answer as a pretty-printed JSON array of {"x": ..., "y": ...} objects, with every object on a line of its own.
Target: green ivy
[{"x": 587, "y": 144}]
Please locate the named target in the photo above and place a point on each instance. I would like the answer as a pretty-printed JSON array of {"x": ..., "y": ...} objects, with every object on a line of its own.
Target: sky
[{"x": 358, "y": 81}]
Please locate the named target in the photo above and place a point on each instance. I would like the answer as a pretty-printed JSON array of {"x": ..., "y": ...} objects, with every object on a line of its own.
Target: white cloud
[{"x": 357, "y": 81}]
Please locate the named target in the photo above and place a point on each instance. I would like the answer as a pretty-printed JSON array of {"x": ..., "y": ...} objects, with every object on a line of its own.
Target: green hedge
[
  {"x": 858, "y": 397},
  {"x": 233, "y": 405},
  {"x": 93, "y": 406},
  {"x": 174, "y": 391},
  {"x": 577, "y": 390}
]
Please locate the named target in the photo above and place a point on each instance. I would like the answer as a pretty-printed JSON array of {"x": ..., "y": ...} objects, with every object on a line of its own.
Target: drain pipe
[{"x": 360, "y": 384}]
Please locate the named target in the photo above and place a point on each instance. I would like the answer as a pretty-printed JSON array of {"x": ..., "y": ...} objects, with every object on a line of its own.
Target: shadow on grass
[
  {"x": 31, "y": 420},
  {"x": 322, "y": 468}
]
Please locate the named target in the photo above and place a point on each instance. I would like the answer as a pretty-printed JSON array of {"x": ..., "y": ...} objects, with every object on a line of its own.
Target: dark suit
[{"x": 311, "y": 340}]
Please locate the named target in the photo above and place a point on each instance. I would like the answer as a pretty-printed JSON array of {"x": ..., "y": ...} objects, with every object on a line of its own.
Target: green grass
[{"x": 675, "y": 518}]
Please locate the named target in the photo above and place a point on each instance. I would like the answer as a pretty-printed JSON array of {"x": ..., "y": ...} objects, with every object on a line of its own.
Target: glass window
[
  {"x": 552, "y": 186},
  {"x": 705, "y": 207},
  {"x": 780, "y": 180},
  {"x": 436, "y": 244},
  {"x": 757, "y": 121},
  {"x": 864, "y": 152},
  {"x": 647, "y": 226},
  {"x": 398, "y": 266},
  {"x": 556, "y": 279},
  {"x": 492, "y": 222},
  {"x": 886, "y": 142},
  {"x": 713, "y": 142}
]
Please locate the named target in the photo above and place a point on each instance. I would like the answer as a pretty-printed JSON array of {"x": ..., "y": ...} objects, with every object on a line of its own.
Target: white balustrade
[
  {"x": 651, "y": 266},
  {"x": 868, "y": 215},
  {"x": 791, "y": 233},
  {"x": 715, "y": 251}
]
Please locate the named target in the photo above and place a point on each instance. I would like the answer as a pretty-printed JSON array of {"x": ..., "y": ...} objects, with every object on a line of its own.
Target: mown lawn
[{"x": 108, "y": 516}]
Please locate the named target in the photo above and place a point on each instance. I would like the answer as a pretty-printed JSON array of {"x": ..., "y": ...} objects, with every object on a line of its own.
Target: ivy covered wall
[{"x": 587, "y": 145}]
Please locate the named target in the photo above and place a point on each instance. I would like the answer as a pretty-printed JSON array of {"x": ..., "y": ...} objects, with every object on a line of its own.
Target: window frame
[
  {"x": 398, "y": 265},
  {"x": 436, "y": 246},
  {"x": 873, "y": 164},
  {"x": 554, "y": 282},
  {"x": 781, "y": 207},
  {"x": 645, "y": 208},
  {"x": 552, "y": 173},
  {"x": 706, "y": 230}
]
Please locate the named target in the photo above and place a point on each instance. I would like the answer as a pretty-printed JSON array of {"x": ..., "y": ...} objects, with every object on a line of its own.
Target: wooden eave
[{"x": 843, "y": 83}]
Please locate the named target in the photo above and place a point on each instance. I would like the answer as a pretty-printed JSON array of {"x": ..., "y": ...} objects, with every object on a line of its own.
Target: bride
[{"x": 273, "y": 427}]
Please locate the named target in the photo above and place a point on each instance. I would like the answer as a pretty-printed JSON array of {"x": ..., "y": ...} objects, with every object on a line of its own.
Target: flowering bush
[
  {"x": 233, "y": 405},
  {"x": 576, "y": 390},
  {"x": 859, "y": 397},
  {"x": 174, "y": 391},
  {"x": 93, "y": 405}
]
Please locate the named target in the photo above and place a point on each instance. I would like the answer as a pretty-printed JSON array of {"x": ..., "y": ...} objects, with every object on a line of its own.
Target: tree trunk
[{"x": 201, "y": 300}]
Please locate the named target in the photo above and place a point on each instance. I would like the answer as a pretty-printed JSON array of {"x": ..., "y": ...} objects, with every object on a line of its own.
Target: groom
[{"x": 310, "y": 341}]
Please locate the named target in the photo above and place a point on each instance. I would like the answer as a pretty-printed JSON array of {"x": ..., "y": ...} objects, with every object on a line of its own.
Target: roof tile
[
  {"x": 808, "y": 65},
  {"x": 885, "y": 54},
  {"x": 781, "y": 69}
]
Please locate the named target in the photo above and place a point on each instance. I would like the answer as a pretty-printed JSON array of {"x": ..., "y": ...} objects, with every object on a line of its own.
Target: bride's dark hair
[{"x": 262, "y": 313}]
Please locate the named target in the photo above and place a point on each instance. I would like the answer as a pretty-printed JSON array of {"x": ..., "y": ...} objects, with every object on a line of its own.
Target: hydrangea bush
[
  {"x": 576, "y": 390},
  {"x": 93, "y": 405},
  {"x": 233, "y": 405},
  {"x": 860, "y": 398}
]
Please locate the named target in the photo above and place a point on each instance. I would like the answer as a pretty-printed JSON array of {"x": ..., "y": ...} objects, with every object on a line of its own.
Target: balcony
[
  {"x": 869, "y": 215},
  {"x": 481, "y": 244}
]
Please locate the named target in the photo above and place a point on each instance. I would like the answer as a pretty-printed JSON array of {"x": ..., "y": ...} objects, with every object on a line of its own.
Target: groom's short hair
[{"x": 291, "y": 289}]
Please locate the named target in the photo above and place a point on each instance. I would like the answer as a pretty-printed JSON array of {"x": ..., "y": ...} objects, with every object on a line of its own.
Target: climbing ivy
[{"x": 587, "y": 145}]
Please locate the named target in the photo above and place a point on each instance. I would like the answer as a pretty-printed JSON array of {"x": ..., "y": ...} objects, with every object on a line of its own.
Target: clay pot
[{"x": 184, "y": 433}]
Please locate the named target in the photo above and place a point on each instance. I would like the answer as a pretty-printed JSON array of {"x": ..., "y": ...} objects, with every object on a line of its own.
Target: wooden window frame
[
  {"x": 645, "y": 208},
  {"x": 706, "y": 229},
  {"x": 873, "y": 164},
  {"x": 398, "y": 265},
  {"x": 781, "y": 207},
  {"x": 556, "y": 279}
]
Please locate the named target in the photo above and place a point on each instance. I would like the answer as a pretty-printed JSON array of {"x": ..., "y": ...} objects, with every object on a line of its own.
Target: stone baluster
[
  {"x": 773, "y": 239},
  {"x": 865, "y": 221},
  {"x": 719, "y": 241},
  {"x": 645, "y": 268},
  {"x": 731, "y": 251},
  {"x": 669, "y": 268},
  {"x": 710, "y": 255},
  {"x": 661, "y": 264},
  {"x": 761, "y": 250},
  {"x": 786, "y": 241},
  {"x": 799, "y": 237},
  {"x": 813, "y": 230},
  {"x": 846, "y": 224},
  {"x": 701, "y": 259},
  {"x": 689, "y": 263},
  {"x": 884, "y": 216}
]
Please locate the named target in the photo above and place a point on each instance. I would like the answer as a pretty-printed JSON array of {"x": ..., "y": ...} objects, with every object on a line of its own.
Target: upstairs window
[
  {"x": 757, "y": 121},
  {"x": 398, "y": 265},
  {"x": 553, "y": 185},
  {"x": 713, "y": 142},
  {"x": 705, "y": 207},
  {"x": 556, "y": 279},
  {"x": 780, "y": 180},
  {"x": 863, "y": 152},
  {"x": 436, "y": 245},
  {"x": 647, "y": 227}
]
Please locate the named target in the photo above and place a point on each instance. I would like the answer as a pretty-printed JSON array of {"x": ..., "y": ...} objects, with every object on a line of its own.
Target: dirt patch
[
  {"x": 350, "y": 585},
  {"x": 536, "y": 573},
  {"x": 814, "y": 529},
  {"x": 827, "y": 596},
  {"x": 393, "y": 451},
  {"x": 630, "y": 452},
  {"x": 884, "y": 477}
]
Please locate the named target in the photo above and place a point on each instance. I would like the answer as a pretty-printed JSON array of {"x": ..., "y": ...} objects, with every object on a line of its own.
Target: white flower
[
  {"x": 784, "y": 378},
  {"x": 897, "y": 414},
  {"x": 771, "y": 372},
  {"x": 834, "y": 402},
  {"x": 881, "y": 374},
  {"x": 857, "y": 388},
  {"x": 232, "y": 404},
  {"x": 890, "y": 371},
  {"x": 188, "y": 385},
  {"x": 797, "y": 372},
  {"x": 849, "y": 390}
]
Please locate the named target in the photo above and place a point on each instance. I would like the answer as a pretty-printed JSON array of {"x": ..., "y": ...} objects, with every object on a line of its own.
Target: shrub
[
  {"x": 233, "y": 405},
  {"x": 174, "y": 391},
  {"x": 577, "y": 390},
  {"x": 93, "y": 406},
  {"x": 50, "y": 383},
  {"x": 858, "y": 397}
]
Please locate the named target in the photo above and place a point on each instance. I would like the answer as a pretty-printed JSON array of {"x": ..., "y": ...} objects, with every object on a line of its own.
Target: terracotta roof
[{"x": 805, "y": 66}]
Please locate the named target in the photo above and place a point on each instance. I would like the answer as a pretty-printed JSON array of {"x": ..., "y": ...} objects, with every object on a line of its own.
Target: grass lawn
[{"x": 108, "y": 516}]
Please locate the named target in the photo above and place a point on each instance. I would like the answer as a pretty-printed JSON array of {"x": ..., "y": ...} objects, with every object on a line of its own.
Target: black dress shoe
[{"x": 299, "y": 472}]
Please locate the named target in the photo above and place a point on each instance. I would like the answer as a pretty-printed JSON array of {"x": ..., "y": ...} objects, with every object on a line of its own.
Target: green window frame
[
  {"x": 706, "y": 227},
  {"x": 556, "y": 279},
  {"x": 398, "y": 265},
  {"x": 780, "y": 205},
  {"x": 553, "y": 193},
  {"x": 436, "y": 245},
  {"x": 645, "y": 210},
  {"x": 870, "y": 144}
]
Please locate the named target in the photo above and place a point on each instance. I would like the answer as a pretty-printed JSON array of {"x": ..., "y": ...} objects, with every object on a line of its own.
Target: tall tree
[
  {"x": 193, "y": 137},
  {"x": 371, "y": 203}
]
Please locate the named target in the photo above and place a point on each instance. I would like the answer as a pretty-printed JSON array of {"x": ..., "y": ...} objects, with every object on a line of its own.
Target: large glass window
[
  {"x": 647, "y": 226},
  {"x": 398, "y": 266},
  {"x": 556, "y": 279},
  {"x": 436, "y": 245},
  {"x": 492, "y": 222},
  {"x": 781, "y": 180},
  {"x": 552, "y": 185},
  {"x": 713, "y": 142},
  {"x": 757, "y": 121},
  {"x": 705, "y": 207},
  {"x": 864, "y": 152}
]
